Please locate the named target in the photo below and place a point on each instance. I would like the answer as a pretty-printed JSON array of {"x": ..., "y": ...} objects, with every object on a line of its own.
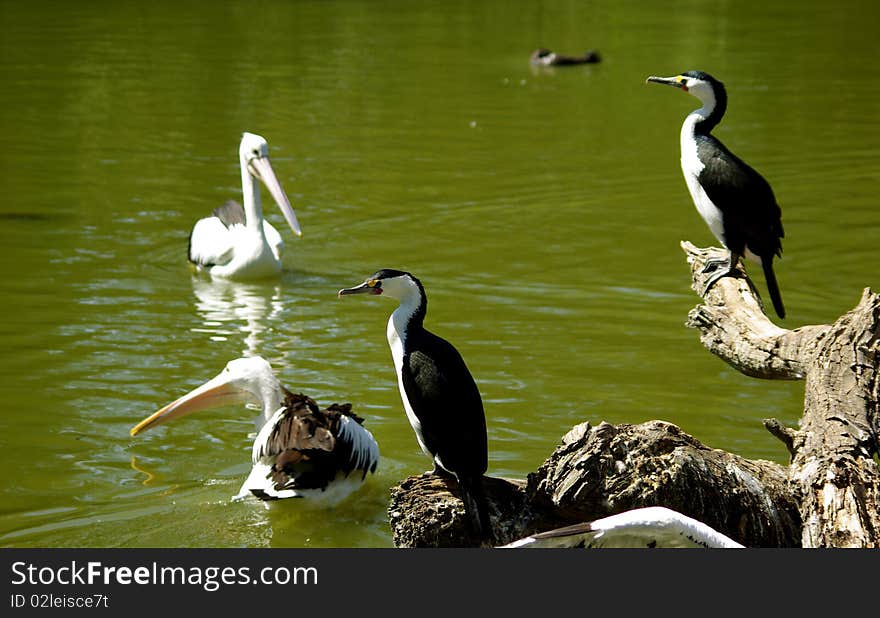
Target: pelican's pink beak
[
  {"x": 212, "y": 394},
  {"x": 261, "y": 168}
]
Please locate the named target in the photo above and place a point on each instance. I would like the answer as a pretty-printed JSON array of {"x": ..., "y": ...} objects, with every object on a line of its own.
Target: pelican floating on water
[
  {"x": 652, "y": 526},
  {"x": 300, "y": 451},
  {"x": 235, "y": 242}
]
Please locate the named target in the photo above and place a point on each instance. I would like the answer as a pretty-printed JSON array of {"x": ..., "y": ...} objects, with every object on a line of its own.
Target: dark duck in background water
[
  {"x": 548, "y": 58},
  {"x": 734, "y": 200},
  {"x": 441, "y": 399}
]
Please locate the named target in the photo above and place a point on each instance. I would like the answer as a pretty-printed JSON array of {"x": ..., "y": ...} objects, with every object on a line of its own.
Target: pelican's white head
[
  {"x": 252, "y": 146},
  {"x": 253, "y": 377},
  {"x": 253, "y": 152},
  {"x": 243, "y": 380}
]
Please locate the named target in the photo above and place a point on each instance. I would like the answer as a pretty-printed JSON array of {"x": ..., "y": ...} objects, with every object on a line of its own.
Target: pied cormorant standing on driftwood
[
  {"x": 735, "y": 200},
  {"x": 441, "y": 399}
]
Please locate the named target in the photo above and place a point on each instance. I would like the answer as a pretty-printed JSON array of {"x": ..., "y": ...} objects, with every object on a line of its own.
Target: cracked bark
[
  {"x": 833, "y": 468},
  {"x": 828, "y": 496}
]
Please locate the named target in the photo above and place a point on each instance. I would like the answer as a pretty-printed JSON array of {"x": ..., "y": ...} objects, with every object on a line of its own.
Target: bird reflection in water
[
  {"x": 150, "y": 476},
  {"x": 228, "y": 308}
]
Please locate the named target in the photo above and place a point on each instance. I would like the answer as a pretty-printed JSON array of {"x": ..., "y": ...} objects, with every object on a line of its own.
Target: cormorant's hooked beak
[
  {"x": 373, "y": 286},
  {"x": 212, "y": 394},
  {"x": 261, "y": 168},
  {"x": 676, "y": 82}
]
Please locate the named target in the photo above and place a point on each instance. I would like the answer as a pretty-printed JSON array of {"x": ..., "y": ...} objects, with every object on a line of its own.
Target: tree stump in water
[{"x": 829, "y": 495}]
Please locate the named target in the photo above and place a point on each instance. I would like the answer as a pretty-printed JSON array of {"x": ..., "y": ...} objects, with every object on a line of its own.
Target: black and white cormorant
[
  {"x": 301, "y": 450},
  {"x": 734, "y": 200},
  {"x": 441, "y": 399}
]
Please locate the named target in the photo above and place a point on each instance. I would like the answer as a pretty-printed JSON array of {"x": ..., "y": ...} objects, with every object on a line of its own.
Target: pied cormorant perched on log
[
  {"x": 734, "y": 200},
  {"x": 441, "y": 399}
]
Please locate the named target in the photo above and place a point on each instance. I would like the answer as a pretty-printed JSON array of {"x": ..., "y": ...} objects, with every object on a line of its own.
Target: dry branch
[{"x": 833, "y": 469}]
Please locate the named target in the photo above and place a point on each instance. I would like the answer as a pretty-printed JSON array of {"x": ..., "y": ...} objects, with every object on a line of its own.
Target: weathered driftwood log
[
  {"x": 828, "y": 496},
  {"x": 833, "y": 470},
  {"x": 607, "y": 469},
  {"x": 603, "y": 470}
]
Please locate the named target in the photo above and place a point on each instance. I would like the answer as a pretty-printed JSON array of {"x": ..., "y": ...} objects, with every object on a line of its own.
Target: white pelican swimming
[
  {"x": 652, "y": 526},
  {"x": 236, "y": 243},
  {"x": 300, "y": 451}
]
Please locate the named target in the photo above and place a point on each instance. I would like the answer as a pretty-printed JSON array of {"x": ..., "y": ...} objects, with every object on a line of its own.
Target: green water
[{"x": 542, "y": 210}]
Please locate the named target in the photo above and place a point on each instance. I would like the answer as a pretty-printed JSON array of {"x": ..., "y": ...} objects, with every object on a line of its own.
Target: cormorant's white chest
[
  {"x": 691, "y": 166},
  {"x": 396, "y": 333}
]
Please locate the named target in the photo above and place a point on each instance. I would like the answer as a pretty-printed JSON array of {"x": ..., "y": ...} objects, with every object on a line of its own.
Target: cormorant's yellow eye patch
[{"x": 373, "y": 283}]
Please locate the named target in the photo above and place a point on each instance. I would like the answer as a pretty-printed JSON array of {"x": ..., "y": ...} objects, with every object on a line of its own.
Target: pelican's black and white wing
[
  {"x": 653, "y": 526},
  {"x": 212, "y": 240},
  {"x": 305, "y": 452}
]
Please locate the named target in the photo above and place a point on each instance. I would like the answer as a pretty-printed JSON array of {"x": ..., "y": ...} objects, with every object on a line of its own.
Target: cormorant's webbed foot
[
  {"x": 714, "y": 263},
  {"x": 719, "y": 274},
  {"x": 722, "y": 267}
]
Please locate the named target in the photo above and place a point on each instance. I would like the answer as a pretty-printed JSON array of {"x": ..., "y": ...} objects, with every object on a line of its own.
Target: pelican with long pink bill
[
  {"x": 300, "y": 451},
  {"x": 236, "y": 242}
]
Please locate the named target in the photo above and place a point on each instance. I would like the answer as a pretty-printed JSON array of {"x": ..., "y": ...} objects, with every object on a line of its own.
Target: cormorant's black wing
[
  {"x": 752, "y": 218},
  {"x": 447, "y": 402}
]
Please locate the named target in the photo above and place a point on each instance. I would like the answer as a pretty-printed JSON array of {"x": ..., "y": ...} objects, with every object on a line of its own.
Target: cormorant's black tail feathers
[
  {"x": 772, "y": 286},
  {"x": 475, "y": 506}
]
